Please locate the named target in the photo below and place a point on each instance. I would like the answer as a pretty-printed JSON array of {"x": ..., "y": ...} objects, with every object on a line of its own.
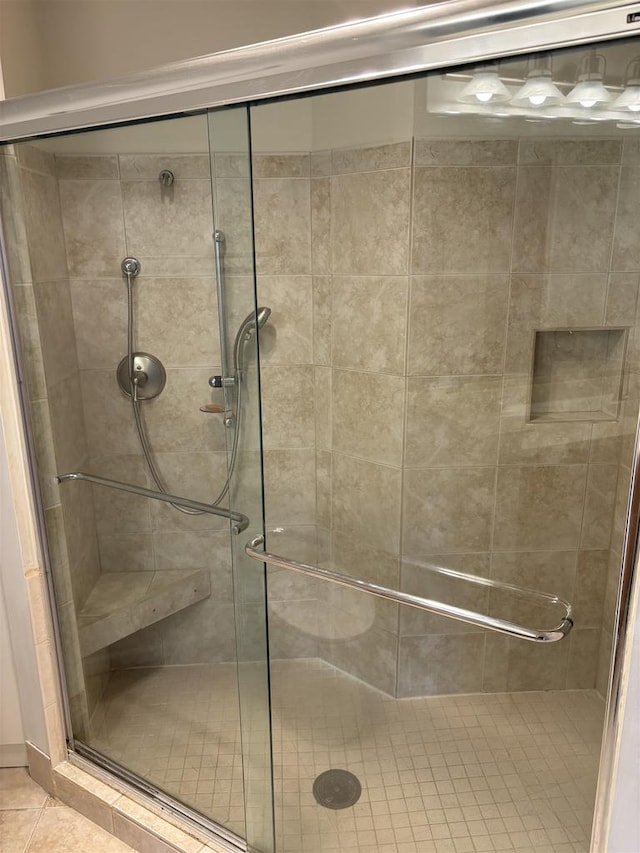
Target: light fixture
[
  {"x": 630, "y": 98},
  {"x": 539, "y": 89},
  {"x": 590, "y": 91},
  {"x": 485, "y": 87}
]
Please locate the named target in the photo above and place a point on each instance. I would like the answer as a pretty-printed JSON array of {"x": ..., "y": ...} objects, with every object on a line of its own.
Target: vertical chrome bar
[{"x": 218, "y": 248}]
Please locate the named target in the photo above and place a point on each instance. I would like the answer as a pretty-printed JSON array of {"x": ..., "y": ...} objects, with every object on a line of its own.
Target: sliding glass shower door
[
  {"x": 450, "y": 395},
  {"x": 131, "y": 259}
]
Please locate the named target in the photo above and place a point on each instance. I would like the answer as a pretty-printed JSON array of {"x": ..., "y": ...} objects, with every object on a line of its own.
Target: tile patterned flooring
[
  {"x": 453, "y": 774},
  {"x": 33, "y": 822}
]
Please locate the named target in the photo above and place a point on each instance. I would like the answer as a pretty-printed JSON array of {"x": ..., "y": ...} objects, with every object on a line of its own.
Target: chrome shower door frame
[{"x": 390, "y": 46}]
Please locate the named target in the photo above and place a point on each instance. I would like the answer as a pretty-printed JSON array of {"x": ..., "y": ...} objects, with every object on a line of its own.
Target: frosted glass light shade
[
  {"x": 630, "y": 97},
  {"x": 538, "y": 91},
  {"x": 485, "y": 87},
  {"x": 589, "y": 93}
]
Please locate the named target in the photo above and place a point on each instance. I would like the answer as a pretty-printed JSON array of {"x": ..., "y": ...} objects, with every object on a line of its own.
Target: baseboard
[{"x": 13, "y": 755}]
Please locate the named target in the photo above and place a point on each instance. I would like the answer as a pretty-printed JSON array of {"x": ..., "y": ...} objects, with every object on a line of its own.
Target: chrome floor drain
[{"x": 337, "y": 789}]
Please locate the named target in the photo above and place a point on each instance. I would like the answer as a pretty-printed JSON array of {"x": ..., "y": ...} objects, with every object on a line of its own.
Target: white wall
[
  {"x": 12, "y": 750},
  {"x": 20, "y": 48}
]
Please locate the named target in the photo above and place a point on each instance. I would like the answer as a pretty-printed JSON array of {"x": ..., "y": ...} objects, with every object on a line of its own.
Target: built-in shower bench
[{"x": 122, "y": 603}]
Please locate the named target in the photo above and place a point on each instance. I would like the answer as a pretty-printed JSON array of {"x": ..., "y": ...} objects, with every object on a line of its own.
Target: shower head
[
  {"x": 262, "y": 316},
  {"x": 246, "y": 329}
]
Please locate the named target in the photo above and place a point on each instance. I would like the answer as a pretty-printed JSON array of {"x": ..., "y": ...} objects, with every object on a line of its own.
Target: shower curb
[{"x": 118, "y": 810}]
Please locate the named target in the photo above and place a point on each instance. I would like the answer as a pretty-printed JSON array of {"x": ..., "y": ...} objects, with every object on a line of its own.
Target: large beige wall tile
[
  {"x": 100, "y": 320},
  {"x": 457, "y": 324},
  {"x": 452, "y": 421},
  {"x": 67, "y": 423},
  {"x": 120, "y": 512},
  {"x": 174, "y": 421},
  {"x": 212, "y": 640},
  {"x": 324, "y": 487},
  {"x": 353, "y": 655},
  {"x": 196, "y": 475},
  {"x": 178, "y": 321},
  {"x": 43, "y": 226},
  {"x": 356, "y": 558},
  {"x": 57, "y": 334},
  {"x": 512, "y": 664},
  {"x": 185, "y": 167},
  {"x": 552, "y": 572},
  {"x": 368, "y": 322},
  {"x": 599, "y": 504},
  {"x": 370, "y": 223},
  {"x": 14, "y": 221},
  {"x": 539, "y": 505},
  {"x": 69, "y": 166},
  {"x": 108, "y": 415},
  {"x": 287, "y": 406},
  {"x": 622, "y": 298},
  {"x": 373, "y": 158},
  {"x": 582, "y": 665},
  {"x": 440, "y": 664},
  {"x": 564, "y": 218},
  {"x": 127, "y": 552},
  {"x": 93, "y": 227},
  {"x": 178, "y": 223},
  {"x": 591, "y": 580},
  {"x": 29, "y": 341},
  {"x": 321, "y": 226},
  {"x": 45, "y": 453},
  {"x": 418, "y": 579},
  {"x": 281, "y": 165},
  {"x": 367, "y": 415},
  {"x": 322, "y": 319},
  {"x": 569, "y": 152},
  {"x": 282, "y": 210},
  {"x": 465, "y": 152},
  {"x": 288, "y": 336},
  {"x": 447, "y": 510},
  {"x": 626, "y": 254},
  {"x": 232, "y": 208},
  {"x": 462, "y": 219},
  {"x": 551, "y": 301},
  {"x": 366, "y": 502},
  {"x": 290, "y": 486},
  {"x": 323, "y": 399},
  {"x": 537, "y": 442}
]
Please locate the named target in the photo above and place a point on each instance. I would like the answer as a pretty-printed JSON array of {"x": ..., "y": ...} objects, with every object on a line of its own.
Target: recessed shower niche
[{"x": 577, "y": 374}]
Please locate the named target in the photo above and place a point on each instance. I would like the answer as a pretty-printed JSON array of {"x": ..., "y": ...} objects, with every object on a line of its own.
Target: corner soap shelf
[{"x": 122, "y": 603}]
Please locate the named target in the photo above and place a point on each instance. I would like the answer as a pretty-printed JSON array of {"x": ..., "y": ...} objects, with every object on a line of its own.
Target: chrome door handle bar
[
  {"x": 254, "y": 550},
  {"x": 240, "y": 521}
]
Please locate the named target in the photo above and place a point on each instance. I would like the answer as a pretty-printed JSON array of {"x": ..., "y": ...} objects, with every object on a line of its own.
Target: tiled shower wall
[
  {"x": 428, "y": 283},
  {"x": 405, "y": 281},
  {"x": 113, "y": 207},
  {"x": 38, "y": 269}
]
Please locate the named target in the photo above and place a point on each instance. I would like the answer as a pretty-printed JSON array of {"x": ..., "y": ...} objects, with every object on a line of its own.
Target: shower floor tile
[{"x": 454, "y": 774}]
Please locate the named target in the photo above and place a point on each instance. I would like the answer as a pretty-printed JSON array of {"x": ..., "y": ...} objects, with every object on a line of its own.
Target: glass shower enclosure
[{"x": 332, "y": 404}]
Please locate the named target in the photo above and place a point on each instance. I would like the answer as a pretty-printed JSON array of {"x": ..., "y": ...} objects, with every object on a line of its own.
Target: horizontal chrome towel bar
[
  {"x": 535, "y": 635},
  {"x": 240, "y": 521}
]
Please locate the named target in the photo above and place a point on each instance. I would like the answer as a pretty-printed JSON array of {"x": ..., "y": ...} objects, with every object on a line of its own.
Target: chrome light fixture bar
[{"x": 401, "y": 43}]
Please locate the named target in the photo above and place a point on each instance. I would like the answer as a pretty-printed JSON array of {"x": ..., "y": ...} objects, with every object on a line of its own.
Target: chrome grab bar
[
  {"x": 502, "y": 626},
  {"x": 240, "y": 521}
]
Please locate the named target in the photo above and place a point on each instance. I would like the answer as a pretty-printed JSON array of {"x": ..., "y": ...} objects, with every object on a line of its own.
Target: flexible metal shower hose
[{"x": 140, "y": 427}]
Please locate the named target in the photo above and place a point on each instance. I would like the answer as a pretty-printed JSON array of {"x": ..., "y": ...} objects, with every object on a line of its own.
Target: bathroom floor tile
[
  {"x": 16, "y": 828},
  {"x": 442, "y": 774},
  {"x": 19, "y": 791}
]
